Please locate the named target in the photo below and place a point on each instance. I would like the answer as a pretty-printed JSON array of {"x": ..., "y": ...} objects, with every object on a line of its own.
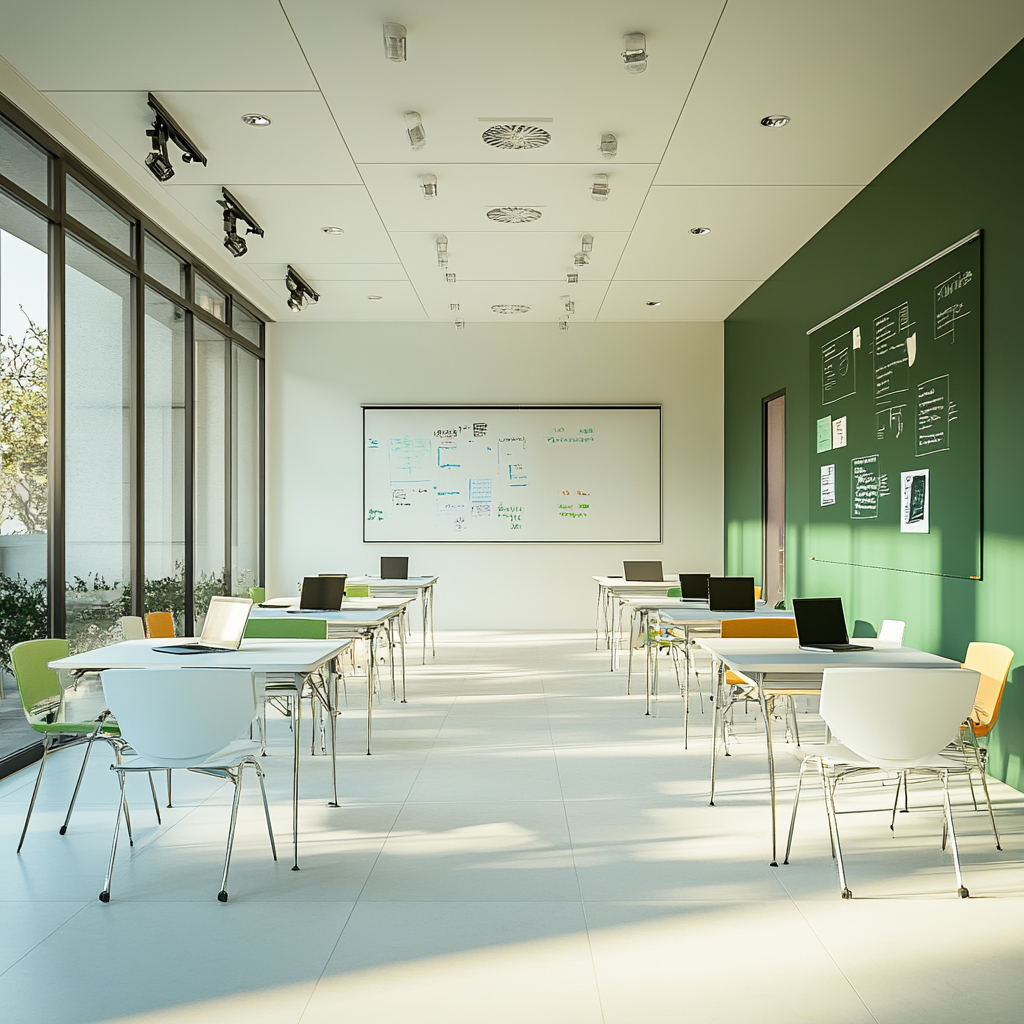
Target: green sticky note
[{"x": 825, "y": 434}]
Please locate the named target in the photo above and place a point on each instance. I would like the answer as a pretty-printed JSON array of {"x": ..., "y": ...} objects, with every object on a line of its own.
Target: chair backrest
[
  {"x": 132, "y": 627},
  {"x": 757, "y": 592},
  {"x": 357, "y": 589},
  {"x": 760, "y": 627},
  {"x": 160, "y": 625},
  {"x": 993, "y": 662},
  {"x": 38, "y": 684},
  {"x": 180, "y": 716},
  {"x": 895, "y": 718},
  {"x": 294, "y": 627},
  {"x": 892, "y": 631},
  {"x": 257, "y": 594}
]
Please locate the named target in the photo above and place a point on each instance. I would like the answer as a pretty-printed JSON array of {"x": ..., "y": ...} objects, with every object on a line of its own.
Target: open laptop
[
  {"x": 222, "y": 630},
  {"x": 320, "y": 594},
  {"x": 731, "y": 593},
  {"x": 694, "y": 585},
  {"x": 643, "y": 572},
  {"x": 393, "y": 567},
  {"x": 821, "y": 625}
]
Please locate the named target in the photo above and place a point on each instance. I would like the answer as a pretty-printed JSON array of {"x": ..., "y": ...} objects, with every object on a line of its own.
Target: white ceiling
[{"x": 859, "y": 80}]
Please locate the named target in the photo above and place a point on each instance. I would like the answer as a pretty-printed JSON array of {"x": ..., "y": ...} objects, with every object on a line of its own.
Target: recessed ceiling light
[
  {"x": 654, "y": 302},
  {"x": 332, "y": 229},
  {"x": 775, "y": 121},
  {"x": 700, "y": 231},
  {"x": 375, "y": 297},
  {"x": 256, "y": 120}
]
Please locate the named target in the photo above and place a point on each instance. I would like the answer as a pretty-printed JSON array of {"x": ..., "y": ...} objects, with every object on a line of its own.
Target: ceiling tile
[
  {"x": 680, "y": 300},
  {"x": 544, "y": 299},
  {"x": 754, "y": 230},
  {"x": 275, "y": 272},
  {"x": 152, "y": 45},
  {"x": 348, "y": 300}
]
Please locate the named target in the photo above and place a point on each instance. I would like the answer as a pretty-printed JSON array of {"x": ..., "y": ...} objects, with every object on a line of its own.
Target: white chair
[
  {"x": 890, "y": 720},
  {"x": 892, "y": 631},
  {"x": 132, "y": 627},
  {"x": 186, "y": 718}
]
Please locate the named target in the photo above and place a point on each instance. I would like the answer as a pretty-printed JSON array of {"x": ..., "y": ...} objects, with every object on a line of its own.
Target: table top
[
  {"x": 694, "y": 611},
  {"x": 355, "y": 617},
  {"x": 376, "y": 581},
  {"x": 258, "y": 655},
  {"x": 349, "y": 604},
  {"x": 783, "y": 656},
  {"x": 621, "y": 583}
]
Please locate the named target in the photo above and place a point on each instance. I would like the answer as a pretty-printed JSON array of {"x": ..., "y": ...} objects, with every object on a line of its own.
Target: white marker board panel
[{"x": 492, "y": 474}]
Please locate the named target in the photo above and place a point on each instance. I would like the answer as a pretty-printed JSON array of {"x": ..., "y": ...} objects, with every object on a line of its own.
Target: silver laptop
[{"x": 222, "y": 631}]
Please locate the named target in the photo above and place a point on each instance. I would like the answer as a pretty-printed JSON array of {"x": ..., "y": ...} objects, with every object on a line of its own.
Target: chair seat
[
  {"x": 230, "y": 757},
  {"x": 109, "y": 728},
  {"x": 836, "y": 754}
]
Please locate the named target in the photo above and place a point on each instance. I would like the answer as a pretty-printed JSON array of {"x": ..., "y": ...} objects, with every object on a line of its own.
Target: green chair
[
  {"x": 42, "y": 701},
  {"x": 257, "y": 595},
  {"x": 357, "y": 590}
]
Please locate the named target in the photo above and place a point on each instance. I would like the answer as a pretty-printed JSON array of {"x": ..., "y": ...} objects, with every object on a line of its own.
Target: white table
[
  {"x": 298, "y": 658},
  {"x": 421, "y": 587},
  {"x": 774, "y": 664},
  {"x": 611, "y": 587}
]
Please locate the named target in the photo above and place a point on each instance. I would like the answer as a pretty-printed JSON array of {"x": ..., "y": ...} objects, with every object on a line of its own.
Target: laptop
[
  {"x": 643, "y": 572},
  {"x": 394, "y": 567},
  {"x": 222, "y": 630},
  {"x": 821, "y": 625},
  {"x": 320, "y": 594},
  {"x": 694, "y": 585},
  {"x": 731, "y": 593}
]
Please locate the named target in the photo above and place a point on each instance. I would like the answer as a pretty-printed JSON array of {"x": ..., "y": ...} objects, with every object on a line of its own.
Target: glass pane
[
  {"x": 163, "y": 266},
  {"x": 25, "y": 163},
  {"x": 165, "y": 458},
  {"x": 245, "y": 470},
  {"x": 211, "y": 299},
  {"x": 91, "y": 211},
  {"x": 245, "y": 323},
  {"x": 97, "y": 438},
  {"x": 210, "y": 442},
  {"x": 24, "y": 610}
]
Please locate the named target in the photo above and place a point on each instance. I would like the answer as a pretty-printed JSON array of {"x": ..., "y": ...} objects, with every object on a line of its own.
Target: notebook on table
[
  {"x": 393, "y": 567},
  {"x": 643, "y": 572},
  {"x": 223, "y": 628},
  {"x": 821, "y": 625},
  {"x": 320, "y": 594},
  {"x": 731, "y": 593},
  {"x": 694, "y": 585}
]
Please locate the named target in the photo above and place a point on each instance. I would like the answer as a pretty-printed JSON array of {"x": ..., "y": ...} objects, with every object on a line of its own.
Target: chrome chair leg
[
  {"x": 121, "y": 809},
  {"x": 168, "y": 787},
  {"x": 266, "y": 808},
  {"x": 796, "y": 803},
  {"x": 156, "y": 803},
  {"x": 81, "y": 773},
  {"x": 896, "y": 801},
  {"x": 237, "y": 780},
  {"x": 47, "y": 742},
  {"x": 834, "y": 824},
  {"x": 961, "y": 889}
]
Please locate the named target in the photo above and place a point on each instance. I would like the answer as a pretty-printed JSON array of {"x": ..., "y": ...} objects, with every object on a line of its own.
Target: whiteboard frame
[{"x": 654, "y": 406}]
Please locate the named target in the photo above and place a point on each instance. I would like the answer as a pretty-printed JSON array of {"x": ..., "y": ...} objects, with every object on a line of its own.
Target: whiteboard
[{"x": 495, "y": 474}]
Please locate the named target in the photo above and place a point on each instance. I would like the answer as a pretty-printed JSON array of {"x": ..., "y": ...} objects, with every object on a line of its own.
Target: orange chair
[
  {"x": 760, "y": 628},
  {"x": 160, "y": 625},
  {"x": 993, "y": 662}
]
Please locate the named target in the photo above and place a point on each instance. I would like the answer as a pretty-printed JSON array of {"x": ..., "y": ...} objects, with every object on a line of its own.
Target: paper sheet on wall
[
  {"x": 828, "y": 485},
  {"x": 824, "y": 434},
  {"x": 839, "y": 432},
  {"x": 914, "y": 501}
]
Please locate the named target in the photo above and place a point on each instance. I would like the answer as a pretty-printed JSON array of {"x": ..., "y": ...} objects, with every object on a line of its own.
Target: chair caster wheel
[
  {"x": 63, "y": 830},
  {"x": 104, "y": 896},
  {"x": 847, "y": 895},
  {"x": 223, "y": 895},
  {"x": 962, "y": 893}
]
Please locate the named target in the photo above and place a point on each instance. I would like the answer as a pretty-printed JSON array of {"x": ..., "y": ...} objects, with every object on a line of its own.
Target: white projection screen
[{"x": 493, "y": 474}]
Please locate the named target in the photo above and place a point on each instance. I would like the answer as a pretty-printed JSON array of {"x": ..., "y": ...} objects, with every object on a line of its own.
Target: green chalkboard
[{"x": 895, "y": 423}]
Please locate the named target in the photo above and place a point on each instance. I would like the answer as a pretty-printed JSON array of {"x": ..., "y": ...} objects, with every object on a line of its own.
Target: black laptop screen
[
  {"x": 820, "y": 620},
  {"x": 731, "y": 593},
  {"x": 322, "y": 593},
  {"x": 694, "y": 585},
  {"x": 394, "y": 567},
  {"x": 643, "y": 572}
]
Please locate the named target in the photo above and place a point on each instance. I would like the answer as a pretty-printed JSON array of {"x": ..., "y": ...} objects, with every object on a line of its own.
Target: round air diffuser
[
  {"x": 513, "y": 214},
  {"x": 509, "y": 307},
  {"x": 516, "y": 136}
]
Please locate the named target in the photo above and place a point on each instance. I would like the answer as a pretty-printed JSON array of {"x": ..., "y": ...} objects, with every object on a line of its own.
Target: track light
[
  {"x": 394, "y": 41},
  {"x": 414, "y": 129},
  {"x": 429, "y": 186},
  {"x": 165, "y": 129},
  {"x": 234, "y": 211},
  {"x": 441, "y": 243},
  {"x": 581, "y": 259},
  {"x": 449, "y": 278},
  {"x": 568, "y": 305},
  {"x": 600, "y": 190},
  {"x": 572, "y": 277},
  {"x": 587, "y": 243},
  {"x": 634, "y": 52},
  {"x": 460, "y": 325},
  {"x": 300, "y": 295},
  {"x": 563, "y": 325},
  {"x": 609, "y": 145}
]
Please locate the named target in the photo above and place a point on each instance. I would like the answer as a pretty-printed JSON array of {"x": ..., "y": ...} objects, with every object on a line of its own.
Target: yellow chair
[
  {"x": 757, "y": 593},
  {"x": 160, "y": 625},
  {"x": 257, "y": 595}
]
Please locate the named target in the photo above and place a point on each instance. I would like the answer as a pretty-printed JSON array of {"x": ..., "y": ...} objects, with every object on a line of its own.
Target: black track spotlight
[
  {"x": 300, "y": 295},
  {"x": 234, "y": 212},
  {"x": 165, "y": 129}
]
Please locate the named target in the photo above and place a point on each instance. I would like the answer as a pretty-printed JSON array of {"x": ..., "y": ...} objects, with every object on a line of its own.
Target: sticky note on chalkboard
[
  {"x": 839, "y": 432},
  {"x": 856, "y": 337},
  {"x": 824, "y": 434}
]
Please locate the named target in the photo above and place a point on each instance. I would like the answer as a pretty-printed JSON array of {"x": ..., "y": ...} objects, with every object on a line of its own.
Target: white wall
[{"x": 320, "y": 374}]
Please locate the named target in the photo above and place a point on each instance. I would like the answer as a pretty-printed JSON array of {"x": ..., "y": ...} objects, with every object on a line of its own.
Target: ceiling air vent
[
  {"x": 509, "y": 307},
  {"x": 513, "y": 214},
  {"x": 516, "y": 136}
]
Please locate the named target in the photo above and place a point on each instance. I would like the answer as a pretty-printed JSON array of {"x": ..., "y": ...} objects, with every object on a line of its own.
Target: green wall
[{"x": 965, "y": 172}]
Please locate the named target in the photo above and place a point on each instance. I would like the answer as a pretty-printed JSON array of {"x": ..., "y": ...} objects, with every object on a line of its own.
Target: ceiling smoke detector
[
  {"x": 516, "y": 136},
  {"x": 262, "y": 121},
  {"x": 700, "y": 231},
  {"x": 507, "y": 308},
  {"x": 513, "y": 214},
  {"x": 775, "y": 121}
]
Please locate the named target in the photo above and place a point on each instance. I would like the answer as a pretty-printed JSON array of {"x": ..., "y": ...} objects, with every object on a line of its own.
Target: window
[
  {"x": 97, "y": 216},
  {"x": 211, "y": 299},
  {"x": 163, "y": 266},
  {"x": 164, "y": 432},
  {"x": 245, "y": 470},
  {"x": 245, "y": 324},
  {"x": 25, "y": 163},
  {"x": 97, "y": 446}
]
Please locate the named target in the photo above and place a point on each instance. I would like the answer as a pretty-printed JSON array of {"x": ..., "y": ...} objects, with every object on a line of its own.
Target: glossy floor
[{"x": 523, "y": 846}]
